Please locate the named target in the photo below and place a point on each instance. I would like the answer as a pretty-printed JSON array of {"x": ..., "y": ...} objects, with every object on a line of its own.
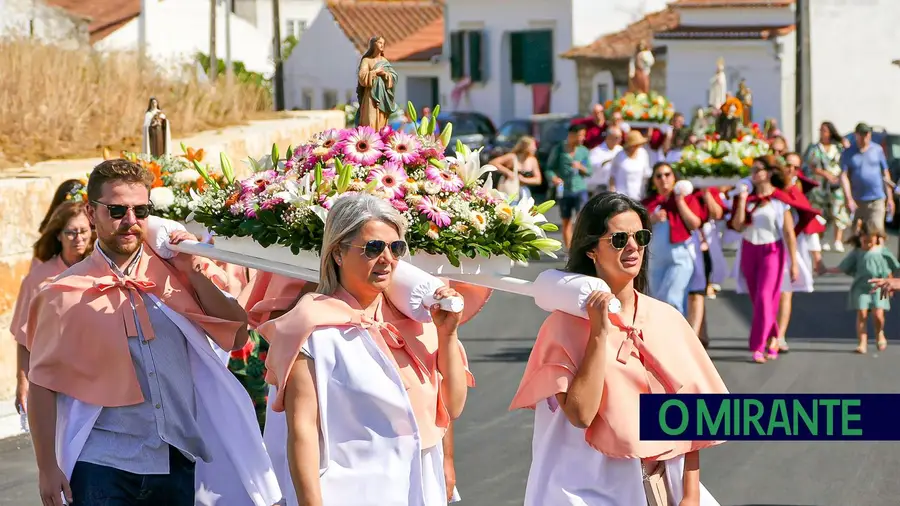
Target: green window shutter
[
  {"x": 457, "y": 58},
  {"x": 517, "y": 56},
  {"x": 476, "y": 70},
  {"x": 539, "y": 57}
]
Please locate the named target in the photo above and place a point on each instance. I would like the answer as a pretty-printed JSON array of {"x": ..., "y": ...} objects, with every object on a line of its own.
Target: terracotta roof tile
[
  {"x": 413, "y": 30},
  {"x": 731, "y": 3},
  {"x": 725, "y": 32},
  {"x": 622, "y": 44},
  {"x": 106, "y": 16}
]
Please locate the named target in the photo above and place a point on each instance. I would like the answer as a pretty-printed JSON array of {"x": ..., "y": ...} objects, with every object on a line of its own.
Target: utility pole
[
  {"x": 229, "y": 71},
  {"x": 142, "y": 34},
  {"x": 276, "y": 53},
  {"x": 803, "y": 95},
  {"x": 213, "y": 61}
]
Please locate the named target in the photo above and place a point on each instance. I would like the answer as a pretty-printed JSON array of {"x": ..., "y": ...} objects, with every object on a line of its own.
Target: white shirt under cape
[
  {"x": 566, "y": 471},
  {"x": 240, "y": 472},
  {"x": 370, "y": 453}
]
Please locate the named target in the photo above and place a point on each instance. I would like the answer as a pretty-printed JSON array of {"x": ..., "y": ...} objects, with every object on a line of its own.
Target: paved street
[{"x": 493, "y": 445}]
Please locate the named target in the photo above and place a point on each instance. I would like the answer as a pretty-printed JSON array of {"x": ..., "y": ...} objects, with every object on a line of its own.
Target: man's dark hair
[
  {"x": 117, "y": 170},
  {"x": 577, "y": 127}
]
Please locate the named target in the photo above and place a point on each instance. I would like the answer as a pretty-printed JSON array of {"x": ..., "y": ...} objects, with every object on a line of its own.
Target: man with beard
[{"x": 129, "y": 404}]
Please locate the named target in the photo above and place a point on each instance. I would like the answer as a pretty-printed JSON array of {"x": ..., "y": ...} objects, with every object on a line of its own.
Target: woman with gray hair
[{"x": 368, "y": 393}]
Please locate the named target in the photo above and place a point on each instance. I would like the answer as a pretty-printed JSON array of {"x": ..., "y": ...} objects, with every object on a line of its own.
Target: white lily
[
  {"x": 297, "y": 193},
  {"x": 523, "y": 218},
  {"x": 264, "y": 163},
  {"x": 467, "y": 164}
]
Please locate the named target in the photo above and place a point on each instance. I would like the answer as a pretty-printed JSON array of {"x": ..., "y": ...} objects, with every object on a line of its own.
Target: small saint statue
[
  {"x": 728, "y": 124},
  {"x": 746, "y": 98},
  {"x": 157, "y": 132},
  {"x": 639, "y": 69},
  {"x": 718, "y": 86},
  {"x": 376, "y": 79}
]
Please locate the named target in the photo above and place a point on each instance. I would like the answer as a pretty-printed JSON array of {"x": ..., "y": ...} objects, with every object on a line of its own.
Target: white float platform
[{"x": 488, "y": 272}]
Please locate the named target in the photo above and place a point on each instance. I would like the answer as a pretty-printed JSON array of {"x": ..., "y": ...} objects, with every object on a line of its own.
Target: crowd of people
[{"x": 155, "y": 379}]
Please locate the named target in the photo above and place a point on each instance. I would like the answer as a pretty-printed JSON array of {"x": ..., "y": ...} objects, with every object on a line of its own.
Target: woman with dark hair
[
  {"x": 766, "y": 224},
  {"x": 376, "y": 79},
  {"x": 673, "y": 216},
  {"x": 64, "y": 192},
  {"x": 66, "y": 239},
  {"x": 584, "y": 377},
  {"x": 823, "y": 163}
]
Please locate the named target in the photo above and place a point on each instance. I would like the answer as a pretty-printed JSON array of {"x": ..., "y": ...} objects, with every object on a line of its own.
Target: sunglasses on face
[
  {"x": 374, "y": 248},
  {"x": 620, "y": 239},
  {"x": 117, "y": 211},
  {"x": 72, "y": 234}
]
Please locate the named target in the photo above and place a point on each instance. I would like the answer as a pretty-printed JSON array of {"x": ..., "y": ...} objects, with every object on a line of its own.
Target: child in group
[{"x": 868, "y": 260}]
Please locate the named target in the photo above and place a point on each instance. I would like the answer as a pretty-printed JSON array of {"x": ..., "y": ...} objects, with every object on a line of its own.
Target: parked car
[
  {"x": 471, "y": 128},
  {"x": 547, "y": 129},
  {"x": 890, "y": 143}
]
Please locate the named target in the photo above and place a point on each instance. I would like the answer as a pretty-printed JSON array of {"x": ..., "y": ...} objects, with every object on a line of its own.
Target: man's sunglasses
[
  {"x": 117, "y": 211},
  {"x": 620, "y": 239},
  {"x": 374, "y": 248}
]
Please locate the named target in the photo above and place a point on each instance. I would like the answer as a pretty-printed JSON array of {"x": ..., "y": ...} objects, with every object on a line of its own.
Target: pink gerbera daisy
[
  {"x": 362, "y": 145},
  {"x": 435, "y": 214},
  {"x": 390, "y": 178},
  {"x": 445, "y": 177},
  {"x": 431, "y": 147},
  {"x": 400, "y": 205},
  {"x": 403, "y": 148}
]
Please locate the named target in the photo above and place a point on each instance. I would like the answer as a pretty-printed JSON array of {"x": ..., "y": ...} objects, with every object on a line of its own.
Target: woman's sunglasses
[
  {"x": 374, "y": 248},
  {"x": 117, "y": 211},
  {"x": 620, "y": 239}
]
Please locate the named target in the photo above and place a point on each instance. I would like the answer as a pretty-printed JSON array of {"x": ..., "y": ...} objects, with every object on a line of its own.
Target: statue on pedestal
[
  {"x": 376, "y": 80},
  {"x": 639, "y": 69},
  {"x": 157, "y": 132},
  {"x": 718, "y": 86},
  {"x": 746, "y": 98}
]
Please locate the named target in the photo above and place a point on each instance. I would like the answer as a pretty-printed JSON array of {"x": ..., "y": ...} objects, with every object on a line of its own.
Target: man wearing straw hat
[{"x": 631, "y": 167}]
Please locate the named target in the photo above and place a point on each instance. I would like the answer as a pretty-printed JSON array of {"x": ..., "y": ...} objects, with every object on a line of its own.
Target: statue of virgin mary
[
  {"x": 375, "y": 87},
  {"x": 718, "y": 86},
  {"x": 157, "y": 133}
]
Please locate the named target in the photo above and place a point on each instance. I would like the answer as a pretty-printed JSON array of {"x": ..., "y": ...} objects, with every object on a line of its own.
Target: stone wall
[
  {"x": 587, "y": 69},
  {"x": 25, "y": 195}
]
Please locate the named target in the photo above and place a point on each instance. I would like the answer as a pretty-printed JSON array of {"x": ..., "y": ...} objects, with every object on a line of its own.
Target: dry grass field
[{"x": 57, "y": 103}]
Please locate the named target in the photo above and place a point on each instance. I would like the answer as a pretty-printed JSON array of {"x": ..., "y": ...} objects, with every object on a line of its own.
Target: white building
[
  {"x": 322, "y": 70},
  {"x": 504, "y": 55},
  {"x": 852, "y": 76},
  {"x": 296, "y": 15},
  {"x": 45, "y": 22}
]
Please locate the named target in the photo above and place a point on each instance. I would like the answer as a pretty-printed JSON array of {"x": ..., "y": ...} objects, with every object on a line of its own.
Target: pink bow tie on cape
[
  {"x": 133, "y": 287},
  {"x": 393, "y": 339},
  {"x": 635, "y": 340}
]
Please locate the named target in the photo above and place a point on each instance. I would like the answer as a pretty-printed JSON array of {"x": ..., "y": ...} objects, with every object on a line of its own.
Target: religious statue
[
  {"x": 728, "y": 124},
  {"x": 157, "y": 132},
  {"x": 718, "y": 86},
  {"x": 376, "y": 79},
  {"x": 700, "y": 124},
  {"x": 746, "y": 98},
  {"x": 639, "y": 69}
]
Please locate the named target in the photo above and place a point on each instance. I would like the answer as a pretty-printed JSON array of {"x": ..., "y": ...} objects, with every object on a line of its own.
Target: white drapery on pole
[{"x": 502, "y": 283}]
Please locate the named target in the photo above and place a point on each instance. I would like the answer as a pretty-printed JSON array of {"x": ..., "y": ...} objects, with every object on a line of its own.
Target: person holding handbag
[{"x": 519, "y": 169}]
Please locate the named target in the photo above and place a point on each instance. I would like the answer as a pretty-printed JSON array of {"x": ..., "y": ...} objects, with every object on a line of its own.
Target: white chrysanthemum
[
  {"x": 186, "y": 176},
  {"x": 478, "y": 220},
  {"x": 162, "y": 198},
  {"x": 432, "y": 188}
]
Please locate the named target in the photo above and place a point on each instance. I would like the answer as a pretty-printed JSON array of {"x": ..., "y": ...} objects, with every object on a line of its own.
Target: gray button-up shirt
[{"x": 136, "y": 438}]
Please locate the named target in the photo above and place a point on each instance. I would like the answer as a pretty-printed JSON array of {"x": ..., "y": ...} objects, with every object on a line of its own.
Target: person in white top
[
  {"x": 631, "y": 167},
  {"x": 767, "y": 226},
  {"x": 601, "y": 160}
]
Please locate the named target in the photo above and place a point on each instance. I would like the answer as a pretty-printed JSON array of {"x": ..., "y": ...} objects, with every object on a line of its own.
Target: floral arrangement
[
  {"x": 78, "y": 192},
  {"x": 714, "y": 157},
  {"x": 177, "y": 179},
  {"x": 651, "y": 107},
  {"x": 450, "y": 210}
]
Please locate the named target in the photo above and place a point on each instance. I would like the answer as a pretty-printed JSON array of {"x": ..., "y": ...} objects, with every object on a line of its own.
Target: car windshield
[
  {"x": 554, "y": 131},
  {"x": 511, "y": 131},
  {"x": 464, "y": 126}
]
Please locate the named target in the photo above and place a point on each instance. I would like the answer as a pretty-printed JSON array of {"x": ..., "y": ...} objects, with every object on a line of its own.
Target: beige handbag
[{"x": 656, "y": 485}]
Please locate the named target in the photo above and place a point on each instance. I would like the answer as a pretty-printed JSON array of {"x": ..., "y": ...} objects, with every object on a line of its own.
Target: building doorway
[{"x": 422, "y": 91}]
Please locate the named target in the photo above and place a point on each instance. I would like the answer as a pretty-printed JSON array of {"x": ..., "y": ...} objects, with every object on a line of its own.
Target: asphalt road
[{"x": 493, "y": 446}]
